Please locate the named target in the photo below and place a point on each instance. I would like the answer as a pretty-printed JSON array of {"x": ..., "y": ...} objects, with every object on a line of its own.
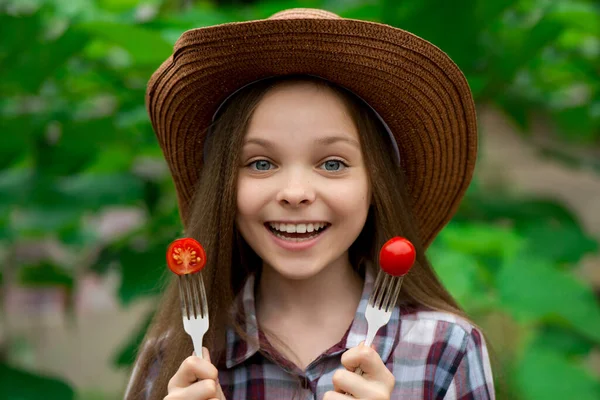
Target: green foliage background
[{"x": 76, "y": 140}]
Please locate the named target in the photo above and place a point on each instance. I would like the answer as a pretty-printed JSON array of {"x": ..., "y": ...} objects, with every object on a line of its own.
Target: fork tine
[
  {"x": 204, "y": 301},
  {"x": 190, "y": 297},
  {"x": 394, "y": 298},
  {"x": 200, "y": 300},
  {"x": 375, "y": 287},
  {"x": 388, "y": 292},
  {"x": 184, "y": 305},
  {"x": 383, "y": 293},
  {"x": 393, "y": 293}
]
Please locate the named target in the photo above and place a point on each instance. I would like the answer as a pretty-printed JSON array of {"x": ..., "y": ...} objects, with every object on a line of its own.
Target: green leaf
[
  {"x": 143, "y": 267},
  {"x": 142, "y": 275},
  {"x": 487, "y": 11},
  {"x": 563, "y": 340},
  {"x": 41, "y": 221},
  {"x": 545, "y": 374},
  {"x": 481, "y": 239},
  {"x": 556, "y": 240},
  {"x": 94, "y": 191},
  {"x": 584, "y": 16},
  {"x": 14, "y": 186},
  {"x": 44, "y": 274},
  {"x": 550, "y": 230},
  {"x": 111, "y": 160},
  {"x": 478, "y": 84},
  {"x": 16, "y": 139},
  {"x": 516, "y": 109},
  {"x": 6, "y": 232},
  {"x": 523, "y": 45},
  {"x": 532, "y": 291},
  {"x": 75, "y": 148},
  {"x": 118, "y": 5},
  {"x": 17, "y": 33},
  {"x": 429, "y": 19},
  {"x": 457, "y": 271},
  {"x": 576, "y": 124},
  {"x": 363, "y": 10},
  {"x": 145, "y": 46},
  {"x": 19, "y": 384},
  {"x": 31, "y": 68}
]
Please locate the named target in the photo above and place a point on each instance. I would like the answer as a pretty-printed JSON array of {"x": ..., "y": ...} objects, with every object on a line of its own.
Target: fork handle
[
  {"x": 197, "y": 340},
  {"x": 371, "y": 332}
]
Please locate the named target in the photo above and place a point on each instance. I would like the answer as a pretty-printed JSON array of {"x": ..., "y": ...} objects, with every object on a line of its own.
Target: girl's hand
[
  {"x": 196, "y": 379},
  {"x": 376, "y": 383}
]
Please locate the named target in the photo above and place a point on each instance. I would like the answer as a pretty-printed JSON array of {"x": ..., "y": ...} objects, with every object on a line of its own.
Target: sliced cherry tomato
[
  {"x": 397, "y": 256},
  {"x": 186, "y": 256}
]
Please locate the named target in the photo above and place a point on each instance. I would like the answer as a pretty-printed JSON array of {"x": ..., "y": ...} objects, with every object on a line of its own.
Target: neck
[{"x": 312, "y": 299}]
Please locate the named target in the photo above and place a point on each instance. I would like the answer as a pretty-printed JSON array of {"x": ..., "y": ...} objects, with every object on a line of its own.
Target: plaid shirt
[{"x": 433, "y": 355}]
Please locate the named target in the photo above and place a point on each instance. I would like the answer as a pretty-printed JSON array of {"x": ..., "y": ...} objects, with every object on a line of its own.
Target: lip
[
  {"x": 314, "y": 221},
  {"x": 294, "y": 246}
]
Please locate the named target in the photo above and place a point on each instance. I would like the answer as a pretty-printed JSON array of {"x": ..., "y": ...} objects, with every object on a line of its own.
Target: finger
[
  {"x": 193, "y": 369},
  {"x": 346, "y": 382},
  {"x": 370, "y": 363},
  {"x": 331, "y": 395},
  {"x": 364, "y": 357},
  {"x": 359, "y": 387},
  {"x": 353, "y": 358},
  {"x": 202, "y": 390},
  {"x": 206, "y": 354}
]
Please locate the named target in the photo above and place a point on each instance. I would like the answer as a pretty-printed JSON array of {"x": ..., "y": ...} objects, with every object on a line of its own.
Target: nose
[{"x": 296, "y": 191}]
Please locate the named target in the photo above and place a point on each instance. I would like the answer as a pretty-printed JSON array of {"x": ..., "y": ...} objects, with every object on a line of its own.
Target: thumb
[{"x": 206, "y": 354}]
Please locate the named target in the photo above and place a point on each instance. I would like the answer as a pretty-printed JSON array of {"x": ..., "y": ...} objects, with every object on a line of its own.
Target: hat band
[{"x": 385, "y": 125}]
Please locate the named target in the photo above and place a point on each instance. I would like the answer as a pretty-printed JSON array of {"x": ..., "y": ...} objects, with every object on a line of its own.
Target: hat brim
[{"x": 415, "y": 87}]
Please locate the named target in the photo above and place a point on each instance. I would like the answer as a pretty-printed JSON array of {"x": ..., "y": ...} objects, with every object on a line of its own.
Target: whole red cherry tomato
[
  {"x": 397, "y": 256},
  {"x": 186, "y": 256}
]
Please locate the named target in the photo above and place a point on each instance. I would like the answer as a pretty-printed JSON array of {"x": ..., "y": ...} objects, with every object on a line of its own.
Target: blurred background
[{"x": 87, "y": 208}]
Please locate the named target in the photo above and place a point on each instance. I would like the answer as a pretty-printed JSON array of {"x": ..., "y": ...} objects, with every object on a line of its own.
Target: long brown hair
[{"x": 231, "y": 261}]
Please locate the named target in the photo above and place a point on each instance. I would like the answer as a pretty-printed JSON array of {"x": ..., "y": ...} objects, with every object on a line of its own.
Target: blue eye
[
  {"x": 261, "y": 165},
  {"x": 334, "y": 165}
]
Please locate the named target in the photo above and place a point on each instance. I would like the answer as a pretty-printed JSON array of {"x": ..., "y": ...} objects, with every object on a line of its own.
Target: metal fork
[
  {"x": 194, "y": 308},
  {"x": 381, "y": 303}
]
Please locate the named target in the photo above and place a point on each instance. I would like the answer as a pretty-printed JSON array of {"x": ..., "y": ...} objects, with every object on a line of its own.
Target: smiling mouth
[{"x": 297, "y": 233}]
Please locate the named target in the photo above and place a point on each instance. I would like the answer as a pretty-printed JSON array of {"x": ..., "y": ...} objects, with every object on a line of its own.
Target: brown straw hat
[{"x": 415, "y": 87}]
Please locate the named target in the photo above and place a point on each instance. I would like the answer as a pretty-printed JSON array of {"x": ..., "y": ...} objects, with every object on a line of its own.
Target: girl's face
[{"x": 303, "y": 190}]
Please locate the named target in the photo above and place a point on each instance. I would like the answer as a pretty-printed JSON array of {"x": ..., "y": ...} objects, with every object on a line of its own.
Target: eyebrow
[
  {"x": 333, "y": 139},
  {"x": 322, "y": 141}
]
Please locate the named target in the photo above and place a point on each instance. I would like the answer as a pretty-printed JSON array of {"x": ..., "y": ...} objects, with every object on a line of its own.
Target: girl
[{"x": 298, "y": 145}]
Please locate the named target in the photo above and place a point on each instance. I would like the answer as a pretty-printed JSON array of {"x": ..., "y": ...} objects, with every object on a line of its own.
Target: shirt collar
[{"x": 239, "y": 350}]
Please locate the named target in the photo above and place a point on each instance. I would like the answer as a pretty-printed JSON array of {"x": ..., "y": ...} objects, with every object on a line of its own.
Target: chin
[{"x": 295, "y": 269}]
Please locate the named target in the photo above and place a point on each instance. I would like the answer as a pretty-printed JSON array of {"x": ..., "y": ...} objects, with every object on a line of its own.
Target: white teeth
[
  {"x": 297, "y": 228},
  {"x": 279, "y": 228}
]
